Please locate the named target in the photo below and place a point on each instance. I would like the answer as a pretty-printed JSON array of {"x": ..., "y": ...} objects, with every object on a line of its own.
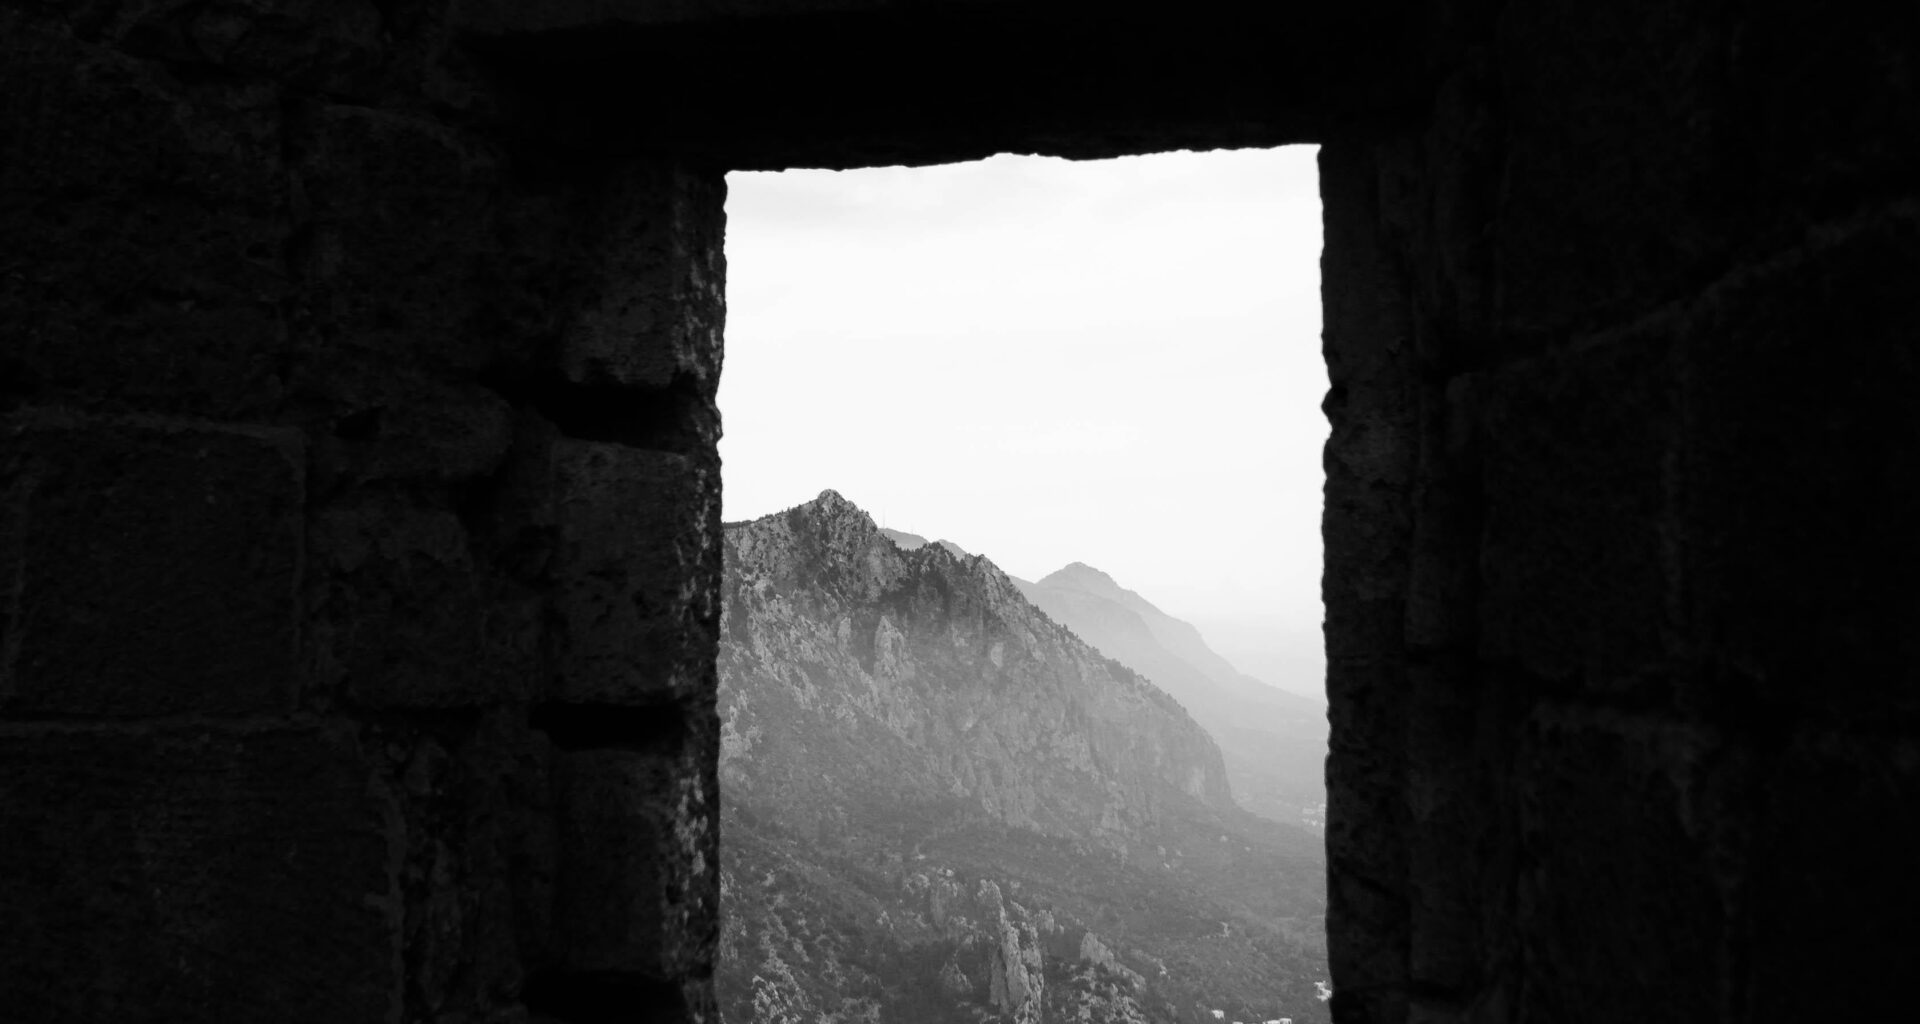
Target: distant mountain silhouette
[
  {"x": 1275, "y": 742},
  {"x": 941, "y": 805},
  {"x": 909, "y": 541}
]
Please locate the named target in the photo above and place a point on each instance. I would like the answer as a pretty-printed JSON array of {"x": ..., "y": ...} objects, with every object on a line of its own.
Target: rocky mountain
[
  {"x": 943, "y": 805},
  {"x": 1274, "y": 742}
]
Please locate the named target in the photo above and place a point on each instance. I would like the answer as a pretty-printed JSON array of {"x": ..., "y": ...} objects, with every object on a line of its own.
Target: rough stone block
[
  {"x": 405, "y": 616},
  {"x": 1579, "y": 582},
  {"x": 1373, "y": 448},
  {"x": 1364, "y": 291},
  {"x": 1367, "y": 529},
  {"x": 1613, "y": 194},
  {"x": 86, "y": 121},
  {"x": 655, "y": 306},
  {"x": 1443, "y": 572},
  {"x": 479, "y": 865},
  {"x": 1621, "y": 912},
  {"x": 1367, "y": 933},
  {"x": 149, "y": 220},
  {"x": 1802, "y": 475},
  {"x": 1366, "y": 770},
  {"x": 406, "y": 426},
  {"x": 195, "y": 875},
  {"x": 1367, "y": 909},
  {"x": 1834, "y": 892},
  {"x": 1828, "y": 106},
  {"x": 403, "y": 211},
  {"x": 1460, "y": 834},
  {"x": 490, "y": 17},
  {"x": 636, "y": 890},
  {"x": 336, "y": 46},
  {"x": 637, "y": 605},
  {"x": 150, "y": 567}
]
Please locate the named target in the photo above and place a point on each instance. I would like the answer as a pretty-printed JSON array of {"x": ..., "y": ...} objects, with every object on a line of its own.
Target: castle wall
[
  {"x": 360, "y": 540},
  {"x": 1626, "y": 422}
]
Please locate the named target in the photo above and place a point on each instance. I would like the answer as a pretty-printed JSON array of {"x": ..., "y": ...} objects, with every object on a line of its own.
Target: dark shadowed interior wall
[{"x": 359, "y": 543}]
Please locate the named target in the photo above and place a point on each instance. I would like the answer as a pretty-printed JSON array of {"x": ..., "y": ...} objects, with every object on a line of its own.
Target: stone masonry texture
[{"x": 359, "y": 490}]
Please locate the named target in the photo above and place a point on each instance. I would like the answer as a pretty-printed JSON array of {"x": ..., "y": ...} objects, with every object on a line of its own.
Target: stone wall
[
  {"x": 1620, "y": 576},
  {"x": 358, "y": 549},
  {"x": 360, "y": 535}
]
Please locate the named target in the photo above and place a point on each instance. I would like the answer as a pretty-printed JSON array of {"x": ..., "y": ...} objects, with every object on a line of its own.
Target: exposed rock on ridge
[{"x": 941, "y": 683}]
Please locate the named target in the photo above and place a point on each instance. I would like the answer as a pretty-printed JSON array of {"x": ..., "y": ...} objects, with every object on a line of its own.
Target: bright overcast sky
[{"x": 1114, "y": 362}]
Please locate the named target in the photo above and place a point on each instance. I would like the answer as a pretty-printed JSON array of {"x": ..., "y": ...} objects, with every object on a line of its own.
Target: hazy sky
[{"x": 1115, "y": 362}]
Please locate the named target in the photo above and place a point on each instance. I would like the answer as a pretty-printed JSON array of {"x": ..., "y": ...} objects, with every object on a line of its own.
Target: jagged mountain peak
[
  {"x": 832, "y": 542},
  {"x": 832, "y": 500},
  {"x": 831, "y": 504}
]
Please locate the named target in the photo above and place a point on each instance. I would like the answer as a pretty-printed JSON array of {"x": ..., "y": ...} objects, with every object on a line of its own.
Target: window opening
[{"x": 1103, "y": 378}]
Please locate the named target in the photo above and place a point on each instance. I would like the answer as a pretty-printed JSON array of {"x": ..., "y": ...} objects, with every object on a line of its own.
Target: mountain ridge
[
  {"x": 1274, "y": 741},
  {"x": 832, "y": 552}
]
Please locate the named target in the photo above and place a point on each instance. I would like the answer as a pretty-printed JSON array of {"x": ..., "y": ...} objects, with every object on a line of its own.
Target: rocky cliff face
[
  {"x": 941, "y": 805},
  {"x": 871, "y": 680}
]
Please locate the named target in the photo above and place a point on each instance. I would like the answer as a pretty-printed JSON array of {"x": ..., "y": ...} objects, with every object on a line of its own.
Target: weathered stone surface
[
  {"x": 1827, "y": 907},
  {"x": 406, "y": 616},
  {"x": 89, "y": 121},
  {"x": 1372, "y": 450},
  {"x": 1577, "y": 471},
  {"x": 478, "y": 871},
  {"x": 1460, "y": 861},
  {"x": 145, "y": 226},
  {"x": 332, "y": 45},
  {"x": 150, "y": 566},
  {"x": 196, "y": 874},
  {"x": 400, "y": 208},
  {"x": 1589, "y": 903},
  {"x": 1829, "y": 113},
  {"x": 653, "y": 313},
  {"x": 635, "y": 616},
  {"x": 1668, "y": 446},
  {"x": 638, "y": 879},
  {"x": 406, "y": 427},
  {"x": 1797, "y": 513},
  {"x": 1443, "y": 572},
  {"x": 507, "y": 16},
  {"x": 1611, "y": 192}
]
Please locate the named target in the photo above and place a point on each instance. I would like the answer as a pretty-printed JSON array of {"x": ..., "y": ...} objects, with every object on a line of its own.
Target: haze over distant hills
[
  {"x": 1275, "y": 742},
  {"x": 942, "y": 805},
  {"x": 909, "y": 541}
]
